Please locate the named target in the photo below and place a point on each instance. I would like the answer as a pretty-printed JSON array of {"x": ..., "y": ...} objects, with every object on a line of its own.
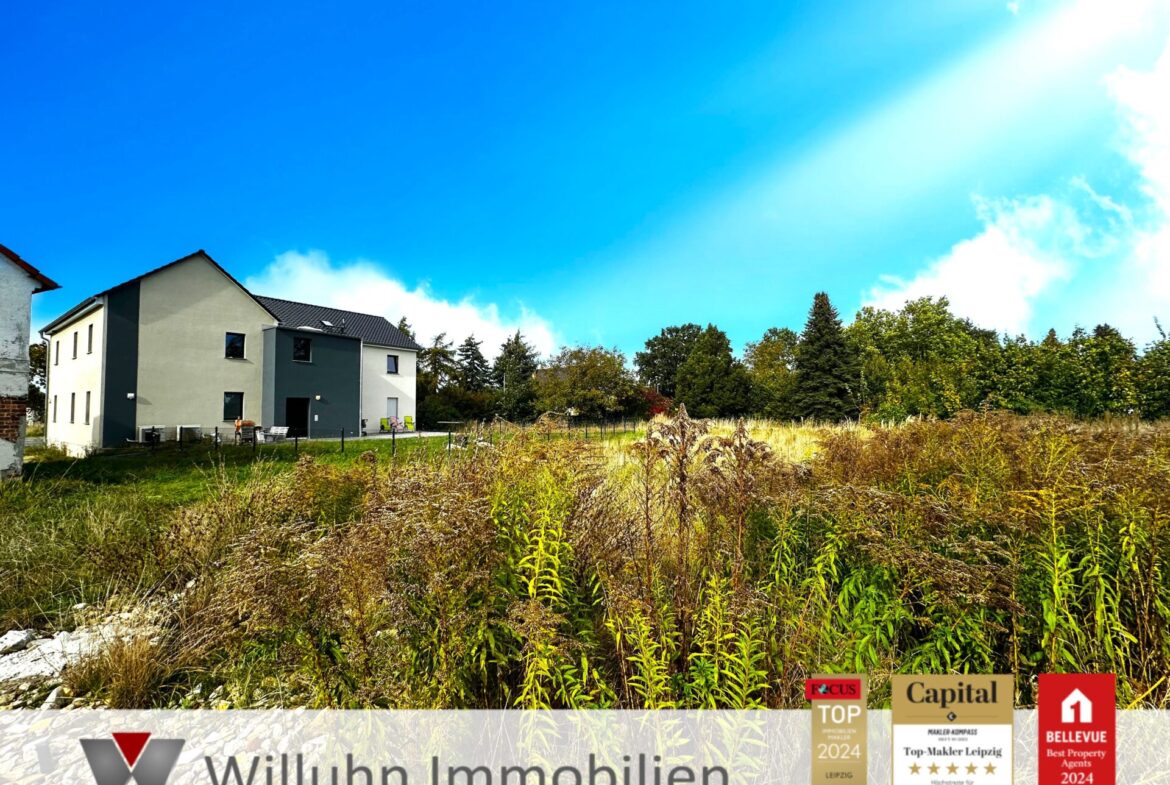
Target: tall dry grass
[{"x": 704, "y": 565}]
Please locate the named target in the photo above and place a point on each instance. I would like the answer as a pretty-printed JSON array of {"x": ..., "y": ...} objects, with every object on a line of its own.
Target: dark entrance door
[{"x": 296, "y": 416}]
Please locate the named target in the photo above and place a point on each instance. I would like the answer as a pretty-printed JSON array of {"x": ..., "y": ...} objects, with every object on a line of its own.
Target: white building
[
  {"x": 186, "y": 345},
  {"x": 19, "y": 281}
]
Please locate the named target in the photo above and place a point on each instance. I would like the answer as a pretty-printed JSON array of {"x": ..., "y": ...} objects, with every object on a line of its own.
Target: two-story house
[{"x": 186, "y": 346}]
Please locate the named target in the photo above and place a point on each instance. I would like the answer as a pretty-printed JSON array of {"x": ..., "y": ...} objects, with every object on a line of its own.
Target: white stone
[
  {"x": 53, "y": 700},
  {"x": 15, "y": 640},
  {"x": 49, "y": 656}
]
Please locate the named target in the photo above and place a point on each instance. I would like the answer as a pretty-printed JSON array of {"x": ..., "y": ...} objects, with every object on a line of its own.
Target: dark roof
[
  {"x": 371, "y": 329},
  {"x": 66, "y": 317},
  {"x": 46, "y": 284}
]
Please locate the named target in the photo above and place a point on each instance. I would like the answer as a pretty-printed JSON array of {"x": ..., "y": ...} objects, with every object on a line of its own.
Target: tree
[
  {"x": 711, "y": 382},
  {"x": 592, "y": 381},
  {"x": 1154, "y": 378},
  {"x": 922, "y": 360},
  {"x": 771, "y": 362},
  {"x": 474, "y": 372},
  {"x": 438, "y": 362},
  {"x": 826, "y": 368},
  {"x": 1108, "y": 370},
  {"x": 405, "y": 328},
  {"x": 37, "y": 379},
  {"x": 512, "y": 373},
  {"x": 665, "y": 353}
]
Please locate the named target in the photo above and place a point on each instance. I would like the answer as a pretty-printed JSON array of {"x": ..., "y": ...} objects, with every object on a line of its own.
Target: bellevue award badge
[
  {"x": 952, "y": 730},
  {"x": 839, "y": 727},
  {"x": 1078, "y": 728}
]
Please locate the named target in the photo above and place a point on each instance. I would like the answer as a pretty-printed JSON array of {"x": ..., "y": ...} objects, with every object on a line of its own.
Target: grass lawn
[{"x": 79, "y": 530}]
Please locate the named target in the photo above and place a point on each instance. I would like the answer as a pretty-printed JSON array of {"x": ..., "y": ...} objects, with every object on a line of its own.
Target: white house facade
[
  {"x": 186, "y": 346},
  {"x": 388, "y": 384},
  {"x": 19, "y": 281}
]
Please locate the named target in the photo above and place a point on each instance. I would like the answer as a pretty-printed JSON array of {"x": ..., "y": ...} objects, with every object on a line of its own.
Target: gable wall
[{"x": 184, "y": 312}]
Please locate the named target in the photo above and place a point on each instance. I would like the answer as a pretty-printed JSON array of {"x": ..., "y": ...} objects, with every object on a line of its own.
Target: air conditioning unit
[{"x": 144, "y": 432}]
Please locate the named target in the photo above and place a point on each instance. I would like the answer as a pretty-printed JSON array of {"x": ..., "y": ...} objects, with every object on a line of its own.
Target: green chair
[
  {"x": 409, "y": 421},
  {"x": 384, "y": 425}
]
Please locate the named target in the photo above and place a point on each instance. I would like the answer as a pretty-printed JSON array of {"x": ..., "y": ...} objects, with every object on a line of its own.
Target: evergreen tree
[
  {"x": 437, "y": 361},
  {"x": 474, "y": 371},
  {"x": 826, "y": 367},
  {"x": 665, "y": 353},
  {"x": 711, "y": 382},
  {"x": 512, "y": 373},
  {"x": 405, "y": 328}
]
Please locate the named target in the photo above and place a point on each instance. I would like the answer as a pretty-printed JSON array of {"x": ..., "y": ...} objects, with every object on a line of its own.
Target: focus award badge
[{"x": 839, "y": 729}]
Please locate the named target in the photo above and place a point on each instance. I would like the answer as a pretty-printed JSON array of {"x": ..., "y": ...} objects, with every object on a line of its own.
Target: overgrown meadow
[{"x": 694, "y": 565}]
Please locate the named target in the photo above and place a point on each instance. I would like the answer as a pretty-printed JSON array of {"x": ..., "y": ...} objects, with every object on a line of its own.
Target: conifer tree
[
  {"x": 825, "y": 366},
  {"x": 474, "y": 372},
  {"x": 512, "y": 372},
  {"x": 405, "y": 328},
  {"x": 712, "y": 383}
]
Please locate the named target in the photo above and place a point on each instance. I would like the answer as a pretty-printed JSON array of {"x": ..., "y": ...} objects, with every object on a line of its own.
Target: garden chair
[{"x": 409, "y": 422}]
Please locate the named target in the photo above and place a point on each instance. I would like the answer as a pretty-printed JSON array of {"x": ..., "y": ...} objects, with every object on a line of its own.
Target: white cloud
[
  {"x": 1014, "y": 7},
  {"x": 993, "y": 277},
  {"x": 1145, "y": 273},
  {"x": 1142, "y": 97},
  {"x": 362, "y": 286},
  {"x": 1116, "y": 254}
]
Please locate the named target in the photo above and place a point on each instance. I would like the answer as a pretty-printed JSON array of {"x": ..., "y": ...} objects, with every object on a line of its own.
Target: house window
[
  {"x": 75, "y": 344},
  {"x": 54, "y": 408},
  {"x": 392, "y": 363},
  {"x": 233, "y": 346},
  {"x": 89, "y": 341},
  {"x": 233, "y": 406},
  {"x": 72, "y": 408},
  {"x": 56, "y": 352},
  {"x": 87, "y": 407},
  {"x": 302, "y": 350}
]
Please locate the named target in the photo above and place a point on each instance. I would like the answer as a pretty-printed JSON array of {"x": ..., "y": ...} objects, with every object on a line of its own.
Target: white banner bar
[{"x": 473, "y": 747}]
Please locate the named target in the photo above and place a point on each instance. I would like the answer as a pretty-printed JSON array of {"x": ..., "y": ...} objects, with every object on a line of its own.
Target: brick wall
[{"x": 12, "y": 412}]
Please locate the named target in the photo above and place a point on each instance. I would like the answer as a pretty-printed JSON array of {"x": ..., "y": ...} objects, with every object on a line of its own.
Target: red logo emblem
[
  {"x": 1078, "y": 728},
  {"x": 832, "y": 689}
]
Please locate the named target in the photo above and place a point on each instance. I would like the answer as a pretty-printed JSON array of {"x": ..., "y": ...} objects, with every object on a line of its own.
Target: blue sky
[{"x": 593, "y": 172}]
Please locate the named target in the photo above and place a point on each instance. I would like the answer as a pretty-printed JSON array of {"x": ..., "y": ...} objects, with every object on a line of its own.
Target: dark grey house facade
[{"x": 312, "y": 382}]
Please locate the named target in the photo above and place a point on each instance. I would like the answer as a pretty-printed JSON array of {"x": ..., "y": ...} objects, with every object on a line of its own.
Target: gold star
[
  {"x": 933, "y": 768},
  {"x": 914, "y": 768},
  {"x": 952, "y": 769},
  {"x": 990, "y": 769},
  {"x": 972, "y": 768}
]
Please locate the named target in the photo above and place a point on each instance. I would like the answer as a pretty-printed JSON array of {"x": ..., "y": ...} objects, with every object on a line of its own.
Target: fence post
[
  {"x": 343, "y": 439},
  {"x": 215, "y": 439},
  {"x": 254, "y": 442},
  {"x": 393, "y": 442},
  {"x": 296, "y": 444}
]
